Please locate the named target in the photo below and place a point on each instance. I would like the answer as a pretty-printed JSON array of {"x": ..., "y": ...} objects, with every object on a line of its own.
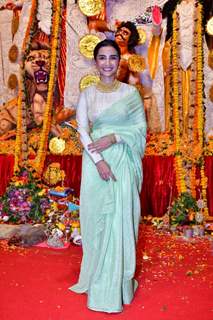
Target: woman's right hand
[{"x": 104, "y": 170}]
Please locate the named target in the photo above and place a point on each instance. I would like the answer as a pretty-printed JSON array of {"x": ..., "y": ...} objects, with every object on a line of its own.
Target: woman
[{"x": 110, "y": 185}]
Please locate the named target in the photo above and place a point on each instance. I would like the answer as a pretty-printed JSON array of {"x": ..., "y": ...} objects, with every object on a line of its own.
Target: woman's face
[{"x": 107, "y": 62}]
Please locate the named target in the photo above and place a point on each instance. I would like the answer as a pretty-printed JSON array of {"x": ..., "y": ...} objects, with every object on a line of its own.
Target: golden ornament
[
  {"x": 12, "y": 82},
  {"x": 142, "y": 35},
  {"x": 209, "y": 26},
  {"x": 90, "y": 7},
  {"x": 13, "y": 53},
  {"x": 108, "y": 87},
  {"x": 136, "y": 63},
  {"x": 210, "y": 59},
  {"x": 211, "y": 93},
  {"x": 88, "y": 80},
  {"x": 53, "y": 174},
  {"x": 87, "y": 45},
  {"x": 57, "y": 145}
]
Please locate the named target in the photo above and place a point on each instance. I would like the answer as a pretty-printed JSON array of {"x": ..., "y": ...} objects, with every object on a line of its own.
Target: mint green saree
[{"x": 110, "y": 210}]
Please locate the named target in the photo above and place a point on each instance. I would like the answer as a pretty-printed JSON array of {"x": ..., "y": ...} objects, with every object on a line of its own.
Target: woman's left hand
[{"x": 102, "y": 144}]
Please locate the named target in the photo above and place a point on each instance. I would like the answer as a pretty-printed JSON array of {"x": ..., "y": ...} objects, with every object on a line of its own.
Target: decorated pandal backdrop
[{"x": 46, "y": 60}]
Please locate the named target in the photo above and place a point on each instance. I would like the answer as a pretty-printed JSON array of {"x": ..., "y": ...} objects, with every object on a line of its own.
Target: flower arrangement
[
  {"x": 28, "y": 201},
  {"x": 61, "y": 224},
  {"x": 185, "y": 217},
  {"x": 25, "y": 200},
  {"x": 72, "y": 143},
  {"x": 160, "y": 144},
  {"x": 185, "y": 210}
]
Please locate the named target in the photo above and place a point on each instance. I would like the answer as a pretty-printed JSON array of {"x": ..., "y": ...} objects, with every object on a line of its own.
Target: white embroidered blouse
[{"x": 91, "y": 104}]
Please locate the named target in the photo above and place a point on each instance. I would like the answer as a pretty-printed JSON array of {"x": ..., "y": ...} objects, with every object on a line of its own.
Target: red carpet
[{"x": 175, "y": 283}]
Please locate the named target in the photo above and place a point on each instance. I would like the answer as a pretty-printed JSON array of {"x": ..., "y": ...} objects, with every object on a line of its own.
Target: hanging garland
[
  {"x": 200, "y": 104},
  {"x": 21, "y": 147},
  {"x": 199, "y": 79},
  {"x": 196, "y": 107},
  {"x": 181, "y": 187},
  {"x": 39, "y": 162},
  {"x": 21, "y": 115}
]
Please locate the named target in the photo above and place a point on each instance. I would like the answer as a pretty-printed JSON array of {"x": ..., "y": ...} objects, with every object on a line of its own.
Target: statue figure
[
  {"x": 127, "y": 37},
  {"x": 185, "y": 14},
  {"x": 36, "y": 66}
]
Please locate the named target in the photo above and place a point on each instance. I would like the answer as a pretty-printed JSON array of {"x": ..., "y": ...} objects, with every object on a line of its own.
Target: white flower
[
  {"x": 57, "y": 233},
  {"x": 200, "y": 204},
  {"x": 44, "y": 16},
  {"x": 199, "y": 217}
]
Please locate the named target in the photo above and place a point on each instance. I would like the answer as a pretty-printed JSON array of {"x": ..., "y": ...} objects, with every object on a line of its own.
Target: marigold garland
[
  {"x": 21, "y": 94},
  {"x": 204, "y": 181},
  {"x": 21, "y": 138},
  {"x": 180, "y": 183},
  {"x": 178, "y": 160},
  {"x": 196, "y": 107},
  {"x": 39, "y": 165},
  {"x": 18, "y": 131},
  {"x": 199, "y": 82},
  {"x": 175, "y": 83},
  {"x": 200, "y": 105},
  {"x": 193, "y": 180},
  {"x": 198, "y": 115}
]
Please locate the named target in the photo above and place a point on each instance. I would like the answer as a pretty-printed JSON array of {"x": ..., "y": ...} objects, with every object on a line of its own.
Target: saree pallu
[{"x": 110, "y": 210}]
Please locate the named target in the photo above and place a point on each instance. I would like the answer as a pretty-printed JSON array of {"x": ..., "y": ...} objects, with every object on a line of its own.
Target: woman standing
[{"x": 112, "y": 128}]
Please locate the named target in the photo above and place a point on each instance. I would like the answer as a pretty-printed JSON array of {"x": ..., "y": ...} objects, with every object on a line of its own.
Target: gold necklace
[{"x": 108, "y": 87}]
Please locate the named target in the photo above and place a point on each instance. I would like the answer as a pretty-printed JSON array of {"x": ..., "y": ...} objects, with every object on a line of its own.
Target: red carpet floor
[{"x": 175, "y": 282}]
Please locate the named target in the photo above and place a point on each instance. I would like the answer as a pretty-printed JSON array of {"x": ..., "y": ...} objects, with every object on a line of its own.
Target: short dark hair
[
  {"x": 107, "y": 43},
  {"x": 134, "y": 36}
]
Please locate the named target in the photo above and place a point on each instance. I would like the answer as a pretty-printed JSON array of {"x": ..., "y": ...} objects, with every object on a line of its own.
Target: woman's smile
[{"x": 107, "y": 62}]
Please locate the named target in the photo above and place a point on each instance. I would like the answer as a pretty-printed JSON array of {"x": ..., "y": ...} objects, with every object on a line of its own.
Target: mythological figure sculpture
[
  {"x": 127, "y": 37},
  {"x": 186, "y": 23},
  {"x": 37, "y": 69}
]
